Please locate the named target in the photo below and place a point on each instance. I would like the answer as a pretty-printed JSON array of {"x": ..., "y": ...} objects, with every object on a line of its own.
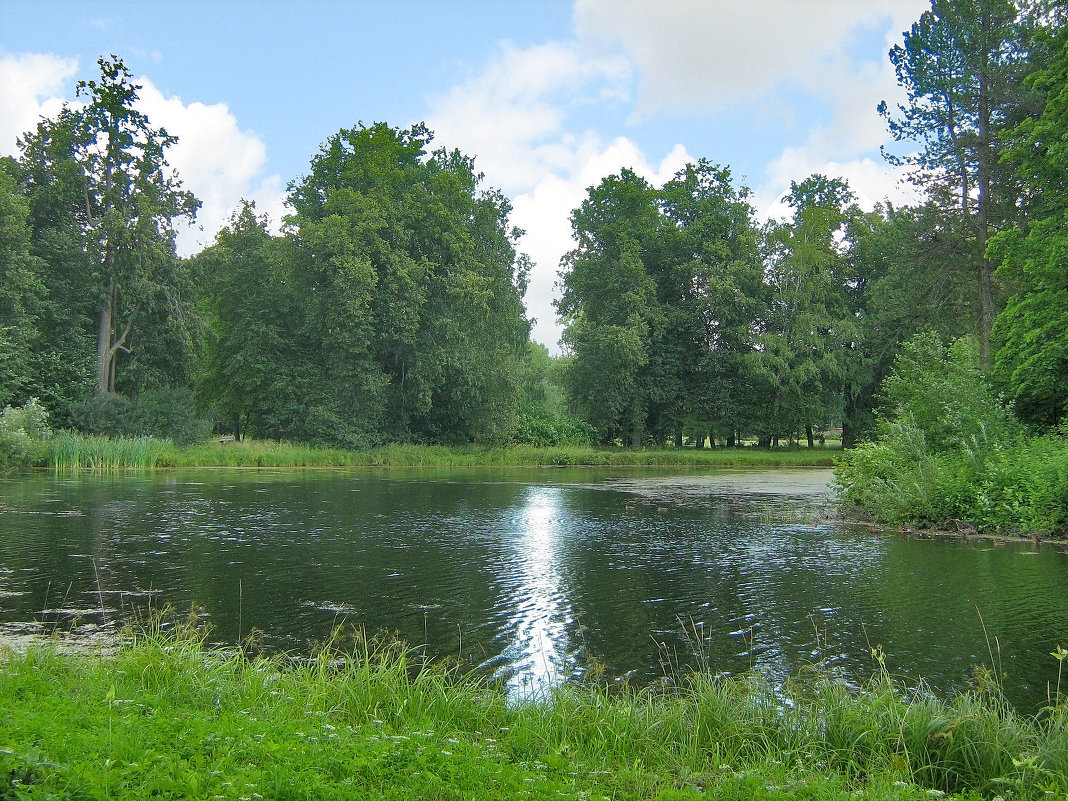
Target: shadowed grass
[{"x": 370, "y": 719}]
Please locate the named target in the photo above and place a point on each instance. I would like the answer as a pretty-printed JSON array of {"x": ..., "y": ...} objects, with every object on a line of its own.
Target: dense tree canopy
[
  {"x": 390, "y": 306},
  {"x": 1032, "y": 361},
  {"x": 391, "y": 310}
]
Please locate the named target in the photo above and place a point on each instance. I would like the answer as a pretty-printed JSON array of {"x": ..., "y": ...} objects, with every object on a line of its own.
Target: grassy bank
[
  {"x": 163, "y": 718},
  {"x": 74, "y": 451}
]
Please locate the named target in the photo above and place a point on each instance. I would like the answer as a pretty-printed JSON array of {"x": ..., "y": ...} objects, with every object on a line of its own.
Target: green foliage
[
  {"x": 21, "y": 289},
  {"x": 809, "y": 325},
  {"x": 949, "y": 453},
  {"x": 660, "y": 298},
  {"x": 1032, "y": 357},
  {"x": 24, "y": 435},
  {"x": 944, "y": 393},
  {"x": 962, "y": 64},
  {"x": 107, "y": 205},
  {"x": 391, "y": 312},
  {"x": 367, "y": 717},
  {"x": 72, "y": 451},
  {"x": 162, "y": 413},
  {"x": 544, "y": 431}
]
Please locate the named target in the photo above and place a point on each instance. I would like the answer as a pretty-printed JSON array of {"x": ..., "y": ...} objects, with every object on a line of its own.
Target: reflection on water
[
  {"x": 539, "y": 614},
  {"x": 534, "y": 576}
]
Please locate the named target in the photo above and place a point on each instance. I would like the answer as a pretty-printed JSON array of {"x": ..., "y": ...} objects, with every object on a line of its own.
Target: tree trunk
[
  {"x": 637, "y": 432},
  {"x": 808, "y": 434},
  {"x": 103, "y": 349},
  {"x": 678, "y": 437},
  {"x": 849, "y": 436}
]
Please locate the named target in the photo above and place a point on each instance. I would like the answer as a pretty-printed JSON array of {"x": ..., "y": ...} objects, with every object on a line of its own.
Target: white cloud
[
  {"x": 216, "y": 160},
  {"x": 544, "y": 213},
  {"x": 31, "y": 86},
  {"x": 697, "y": 55},
  {"x": 871, "y": 181},
  {"x": 512, "y": 114}
]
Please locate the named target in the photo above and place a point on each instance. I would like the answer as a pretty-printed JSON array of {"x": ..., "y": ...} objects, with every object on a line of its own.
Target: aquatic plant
[{"x": 73, "y": 451}]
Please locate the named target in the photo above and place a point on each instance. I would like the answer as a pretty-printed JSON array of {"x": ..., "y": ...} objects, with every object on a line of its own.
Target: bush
[
  {"x": 167, "y": 413},
  {"x": 162, "y": 413},
  {"x": 548, "y": 431},
  {"x": 949, "y": 451},
  {"x": 24, "y": 434}
]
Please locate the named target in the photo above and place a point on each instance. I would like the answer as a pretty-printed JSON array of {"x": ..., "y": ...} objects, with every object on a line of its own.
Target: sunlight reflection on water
[{"x": 540, "y": 613}]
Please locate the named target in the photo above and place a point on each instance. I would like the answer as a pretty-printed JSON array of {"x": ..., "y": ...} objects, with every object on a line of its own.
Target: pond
[{"x": 535, "y": 576}]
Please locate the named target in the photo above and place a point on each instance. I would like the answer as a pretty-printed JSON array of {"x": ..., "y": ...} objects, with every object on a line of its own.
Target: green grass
[
  {"x": 75, "y": 451},
  {"x": 166, "y": 718}
]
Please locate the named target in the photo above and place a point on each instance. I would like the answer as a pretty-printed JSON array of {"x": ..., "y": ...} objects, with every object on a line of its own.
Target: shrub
[
  {"x": 24, "y": 434},
  {"x": 162, "y": 413},
  {"x": 950, "y": 451},
  {"x": 550, "y": 431}
]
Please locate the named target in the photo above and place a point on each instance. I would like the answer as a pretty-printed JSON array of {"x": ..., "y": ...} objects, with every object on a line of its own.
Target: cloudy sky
[{"x": 548, "y": 96}]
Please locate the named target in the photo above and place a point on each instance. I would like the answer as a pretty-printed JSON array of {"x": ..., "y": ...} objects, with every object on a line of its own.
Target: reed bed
[
  {"x": 70, "y": 451},
  {"x": 167, "y": 717}
]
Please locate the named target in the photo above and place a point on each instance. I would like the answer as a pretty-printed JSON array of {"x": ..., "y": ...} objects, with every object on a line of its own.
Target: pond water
[{"x": 534, "y": 576}]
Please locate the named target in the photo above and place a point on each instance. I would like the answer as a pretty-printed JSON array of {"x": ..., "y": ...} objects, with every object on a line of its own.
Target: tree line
[
  {"x": 390, "y": 308},
  {"x": 687, "y": 319}
]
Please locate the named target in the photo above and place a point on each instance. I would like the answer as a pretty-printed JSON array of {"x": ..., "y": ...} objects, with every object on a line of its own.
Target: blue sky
[{"x": 548, "y": 96}]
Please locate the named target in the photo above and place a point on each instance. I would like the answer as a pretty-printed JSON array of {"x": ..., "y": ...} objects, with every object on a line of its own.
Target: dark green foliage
[
  {"x": 163, "y": 413},
  {"x": 660, "y": 298},
  {"x": 1032, "y": 331},
  {"x": 21, "y": 290},
  {"x": 962, "y": 64},
  {"x": 809, "y": 328},
  {"x": 106, "y": 303},
  {"x": 411, "y": 324}
]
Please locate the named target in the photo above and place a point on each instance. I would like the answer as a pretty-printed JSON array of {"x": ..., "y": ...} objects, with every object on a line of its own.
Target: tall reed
[{"x": 72, "y": 451}]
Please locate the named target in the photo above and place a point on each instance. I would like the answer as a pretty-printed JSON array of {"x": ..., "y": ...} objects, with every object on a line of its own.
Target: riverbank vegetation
[
  {"x": 65, "y": 451},
  {"x": 166, "y": 717},
  {"x": 950, "y": 454}
]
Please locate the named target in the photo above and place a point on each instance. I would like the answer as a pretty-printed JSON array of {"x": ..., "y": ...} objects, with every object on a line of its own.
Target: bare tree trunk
[{"x": 103, "y": 348}]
